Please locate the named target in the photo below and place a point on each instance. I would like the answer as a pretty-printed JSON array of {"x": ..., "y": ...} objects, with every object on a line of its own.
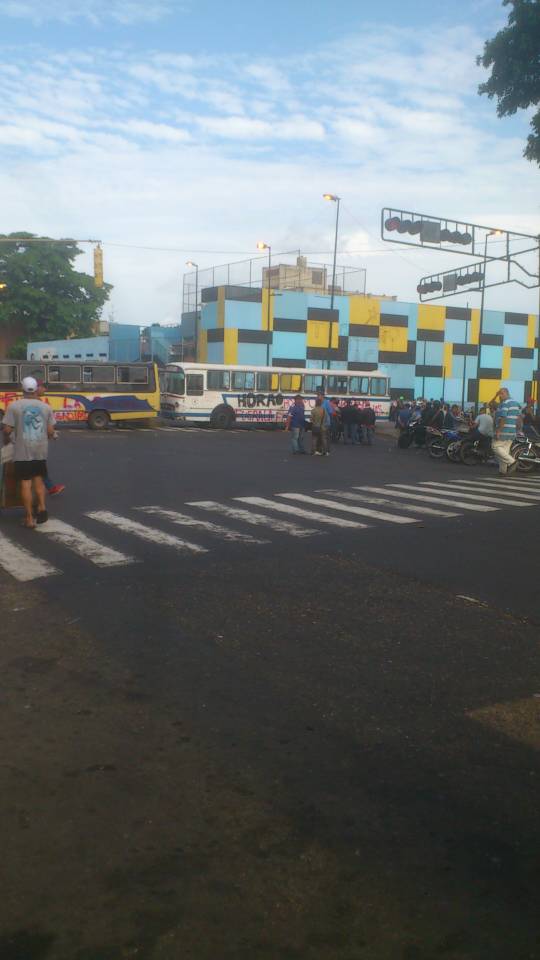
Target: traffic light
[
  {"x": 98, "y": 266},
  {"x": 431, "y": 286},
  {"x": 430, "y": 231}
]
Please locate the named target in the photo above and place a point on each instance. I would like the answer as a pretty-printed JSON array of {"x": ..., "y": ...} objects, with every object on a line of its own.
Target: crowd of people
[{"x": 330, "y": 421}]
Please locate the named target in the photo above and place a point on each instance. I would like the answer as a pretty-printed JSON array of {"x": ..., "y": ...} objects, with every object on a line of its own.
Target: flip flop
[{"x": 42, "y": 516}]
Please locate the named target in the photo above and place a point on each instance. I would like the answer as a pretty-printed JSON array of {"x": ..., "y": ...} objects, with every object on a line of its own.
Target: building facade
[{"x": 427, "y": 350}]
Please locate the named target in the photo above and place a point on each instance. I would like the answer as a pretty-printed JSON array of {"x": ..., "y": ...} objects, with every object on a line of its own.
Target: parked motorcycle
[
  {"x": 412, "y": 433},
  {"x": 437, "y": 441},
  {"x": 474, "y": 451},
  {"x": 527, "y": 453}
]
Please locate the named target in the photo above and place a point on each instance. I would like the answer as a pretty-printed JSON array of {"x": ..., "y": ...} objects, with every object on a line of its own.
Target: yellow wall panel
[
  {"x": 202, "y": 346},
  {"x": 230, "y": 346},
  {"x": 365, "y": 310},
  {"x": 393, "y": 338},
  {"x": 431, "y": 318},
  {"x": 506, "y": 363},
  {"x": 264, "y": 309},
  {"x": 322, "y": 334},
  {"x": 474, "y": 326},
  {"x": 532, "y": 327},
  {"x": 488, "y": 389},
  {"x": 221, "y": 307},
  {"x": 448, "y": 357}
]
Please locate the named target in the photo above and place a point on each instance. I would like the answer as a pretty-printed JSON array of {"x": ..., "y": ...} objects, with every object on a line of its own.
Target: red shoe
[{"x": 58, "y": 488}]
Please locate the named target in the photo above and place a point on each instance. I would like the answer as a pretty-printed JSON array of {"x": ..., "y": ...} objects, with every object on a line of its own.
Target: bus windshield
[{"x": 174, "y": 382}]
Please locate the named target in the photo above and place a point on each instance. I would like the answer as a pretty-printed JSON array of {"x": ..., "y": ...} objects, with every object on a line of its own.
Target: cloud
[{"x": 94, "y": 12}]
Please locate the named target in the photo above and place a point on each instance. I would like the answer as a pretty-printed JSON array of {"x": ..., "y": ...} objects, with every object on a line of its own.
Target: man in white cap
[{"x": 29, "y": 423}]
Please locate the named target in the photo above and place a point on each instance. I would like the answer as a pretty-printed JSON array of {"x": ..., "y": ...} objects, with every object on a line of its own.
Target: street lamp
[
  {"x": 189, "y": 263},
  {"x": 490, "y": 233},
  {"x": 261, "y": 245}
]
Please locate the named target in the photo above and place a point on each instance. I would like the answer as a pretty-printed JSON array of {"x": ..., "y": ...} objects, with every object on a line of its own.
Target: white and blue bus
[{"x": 222, "y": 394}]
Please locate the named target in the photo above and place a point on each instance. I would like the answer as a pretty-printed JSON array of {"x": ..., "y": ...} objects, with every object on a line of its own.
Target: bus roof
[{"x": 189, "y": 365}]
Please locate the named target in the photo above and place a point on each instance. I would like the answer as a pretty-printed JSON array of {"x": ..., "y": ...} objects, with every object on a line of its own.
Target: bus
[
  {"x": 221, "y": 394},
  {"x": 94, "y": 393}
]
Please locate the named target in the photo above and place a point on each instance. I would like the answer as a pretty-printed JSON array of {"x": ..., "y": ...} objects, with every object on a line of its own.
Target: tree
[
  {"x": 44, "y": 297},
  {"x": 514, "y": 55}
]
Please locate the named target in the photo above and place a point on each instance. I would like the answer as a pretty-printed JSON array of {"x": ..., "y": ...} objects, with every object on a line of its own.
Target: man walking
[
  {"x": 296, "y": 423},
  {"x": 507, "y": 423},
  {"x": 31, "y": 423},
  {"x": 368, "y": 422}
]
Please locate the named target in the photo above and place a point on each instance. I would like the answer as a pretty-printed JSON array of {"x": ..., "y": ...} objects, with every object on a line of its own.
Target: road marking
[
  {"x": 493, "y": 482},
  {"x": 505, "y": 488},
  {"x": 479, "y": 508},
  {"x": 385, "y": 501},
  {"x": 152, "y": 534},
  {"x": 21, "y": 563},
  {"x": 84, "y": 545},
  {"x": 345, "y": 508},
  {"x": 298, "y": 512},
  {"x": 518, "y": 479},
  {"x": 256, "y": 519},
  {"x": 465, "y": 492},
  {"x": 215, "y": 528}
]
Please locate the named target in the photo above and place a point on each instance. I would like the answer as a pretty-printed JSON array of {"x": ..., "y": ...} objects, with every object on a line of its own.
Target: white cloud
[{"x": 95, "y": 12}]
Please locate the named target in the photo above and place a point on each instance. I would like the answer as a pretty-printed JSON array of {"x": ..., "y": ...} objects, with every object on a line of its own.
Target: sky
[{"x": 190, "y": 129}]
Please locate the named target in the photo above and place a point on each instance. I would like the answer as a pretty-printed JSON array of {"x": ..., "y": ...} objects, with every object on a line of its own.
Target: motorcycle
[
  {"x": 527, "y": 452},
  {"x": 438, "y": 441},
  {"x": 474, "y": 451},
  {"x": 413, "y": 432}
]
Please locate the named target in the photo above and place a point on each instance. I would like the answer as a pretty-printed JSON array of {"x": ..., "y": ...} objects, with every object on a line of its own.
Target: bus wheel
[
  {"x": 98, "y": 420},
  {"x": 222, "y": 418}
]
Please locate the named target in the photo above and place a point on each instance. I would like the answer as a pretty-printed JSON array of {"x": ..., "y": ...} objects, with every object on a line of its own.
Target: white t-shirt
[{"x": 484, "y": 422}]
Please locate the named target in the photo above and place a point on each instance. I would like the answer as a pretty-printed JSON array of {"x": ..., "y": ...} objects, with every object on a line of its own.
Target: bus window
[
  {"x": 98, "y": 373},
  {"x": 359, "y": 385},
  {"x": 242, "y": 380},
  {"x": 290, "y": 381},
  {"x": 218, "y": 380},
  {"x": 267, "y": 382},
  {"x": 63, "y": 373},
  {"x": 174, "y": 382},
  {"x": 378, "y": 386},
  {"x": 36, "y": 370},
  {"x": 195, "y": 384},
  {"x": 313, "y": 382},
  {"x": 335, "y": 385},
  {"x": 132, "y": 375},
  {"x": 8, "y": 373}
]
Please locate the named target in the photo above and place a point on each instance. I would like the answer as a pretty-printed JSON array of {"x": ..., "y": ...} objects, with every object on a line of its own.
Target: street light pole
[
  {"x": 491, "y": 233},
  {"x": 196, "y": 266},
  {"x": 266, "y": 246},
  {"x": 334, "y": 199}
]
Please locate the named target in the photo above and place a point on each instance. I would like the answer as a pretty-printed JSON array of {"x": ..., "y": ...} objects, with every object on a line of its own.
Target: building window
[{"x": 317, "y": 277}]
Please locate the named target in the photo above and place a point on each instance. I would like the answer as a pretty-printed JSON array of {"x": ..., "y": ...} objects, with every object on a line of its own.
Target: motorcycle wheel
[
  {"x": 436, "y": 448},
  {"x": 452, "y": 451},
  {"x": 524, "y": 465},
  {"x": 468, "y": 454},
  {"x": 404, "y": 441}
]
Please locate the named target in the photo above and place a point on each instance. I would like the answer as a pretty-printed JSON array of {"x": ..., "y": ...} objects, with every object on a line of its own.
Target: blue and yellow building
[{"x": 427, "y": 350}]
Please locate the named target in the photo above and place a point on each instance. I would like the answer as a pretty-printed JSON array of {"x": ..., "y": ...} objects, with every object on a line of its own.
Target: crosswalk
[{"x": 25, "y": 556}]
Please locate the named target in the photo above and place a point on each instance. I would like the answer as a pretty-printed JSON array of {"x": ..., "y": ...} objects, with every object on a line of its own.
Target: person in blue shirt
[
  {"x": 296, "y": 423},
  {"x": 507, "y": 424}
]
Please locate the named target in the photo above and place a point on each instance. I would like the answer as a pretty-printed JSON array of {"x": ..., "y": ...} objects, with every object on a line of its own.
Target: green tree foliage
[
  {"x": 514, "y": 56},
  {"x": 44, "y": 297}
]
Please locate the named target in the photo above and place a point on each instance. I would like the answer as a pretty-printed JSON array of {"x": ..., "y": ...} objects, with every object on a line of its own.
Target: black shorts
[{"x": 27, "y": 469}]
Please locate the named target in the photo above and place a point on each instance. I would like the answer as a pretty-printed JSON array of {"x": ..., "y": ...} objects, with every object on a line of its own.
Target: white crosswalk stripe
[
  {"x": 516, "y": 478},
  {"x": 347, "y": 508},
  {"x": 504, "y": 488},
  {"x": 465, "y": 493},
  {"x": 21, "y": 563},
  {"x": 298, "y": 512},
  {"x": 182, "y": 519},
  {"x": 406, "y": 492},
  {"x": 151, "y": 534},
  {"x": 256, "y": 519},
  {"x": 386, "y": 501},
  {"x": 82, "y": 544}
]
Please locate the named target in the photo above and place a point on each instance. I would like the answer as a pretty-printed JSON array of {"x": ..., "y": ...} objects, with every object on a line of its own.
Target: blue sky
[{"x": 189, "y": 127}]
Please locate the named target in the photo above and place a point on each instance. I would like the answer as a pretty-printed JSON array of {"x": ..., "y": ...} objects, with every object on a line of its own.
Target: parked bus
[
  {"x": 95, "y": 393},
  {"x": 221, "y": 394}
]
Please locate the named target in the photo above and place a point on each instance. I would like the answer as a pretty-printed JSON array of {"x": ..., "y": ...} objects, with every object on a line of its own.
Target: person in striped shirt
[{"x": 507, "y": 423}]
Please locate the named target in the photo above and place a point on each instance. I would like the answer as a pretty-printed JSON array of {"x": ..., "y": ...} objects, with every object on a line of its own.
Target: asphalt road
[{"x": 319, "y": 743}]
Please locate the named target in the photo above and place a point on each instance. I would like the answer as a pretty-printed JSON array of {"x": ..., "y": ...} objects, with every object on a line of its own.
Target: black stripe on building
[
  {"x": 492, "y": 339},
  {"x": 472, "y": 389},
  {"x": 283, "y": 325},
  {"x": 217, "y": 335},
  {"x": 245, "y": 294},
  {"x": 364, "y": 330},
  {"x": 521, "y": 353},
  {"x": 209, "y": 294},
  {"x": 323, "y": 313},
  {"x": 458, "y": 313},
  {"x": 433, "y": 336},
  {"x": 399, "y": 356},
  {"x": 518, "y": 319},
  {"x": 428, "y": 371},
  {"x": 363, "y": 367},
  {"x": 489, "y": 373},
  {"x": 465, "y": 350},
  {"x": 254, "y": 336},
  {"x": 394, "y": 320},
  {"x": 287, "y": 362}
]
